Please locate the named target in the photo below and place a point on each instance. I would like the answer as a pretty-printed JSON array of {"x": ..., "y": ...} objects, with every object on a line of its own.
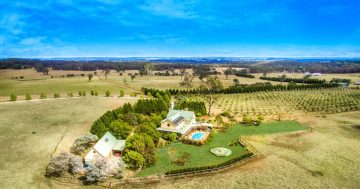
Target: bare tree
[
  {"x": 182, "y": 72},
  {"x": 148, "y": 67},
  {"x": 106, "y": 72},
  {"x": 133, "y": 76},
  {"x": 187, "y": 82},
  {"x": 211, "y": 87},
  {"x": 228, "y": 72}
]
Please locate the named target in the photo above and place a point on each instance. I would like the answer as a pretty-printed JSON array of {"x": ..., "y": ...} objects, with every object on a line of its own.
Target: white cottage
[
  {"x": 180, "y": 121},
  {"x": 107, "y": 147}
]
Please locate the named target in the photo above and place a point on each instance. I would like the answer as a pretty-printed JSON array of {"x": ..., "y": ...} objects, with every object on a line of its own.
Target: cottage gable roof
[
  {"x": 120, "y": 145},
  {"x": 105, "y": 145},
  {"x": 173, "y": 114}
]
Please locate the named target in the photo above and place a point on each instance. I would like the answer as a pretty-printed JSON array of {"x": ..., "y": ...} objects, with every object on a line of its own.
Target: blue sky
[{"x": 65, "y": 28}]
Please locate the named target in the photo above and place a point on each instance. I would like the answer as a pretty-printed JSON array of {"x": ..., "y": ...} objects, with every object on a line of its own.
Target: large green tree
[{"x": 120, "y": 129}]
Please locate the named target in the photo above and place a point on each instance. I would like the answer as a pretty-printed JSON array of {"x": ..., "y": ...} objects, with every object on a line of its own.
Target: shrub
[
  {"x": 56, "y": 95},
  {"x": 192, "y": 169},
  {"x": 58, "y": 165},
  {"x": 13, "y": 97},
  {"x": 133, "y": 94},
  {"x": 227, "y": 114},
  {"x": 28, "y": 96},
  {"x": 107, "y": 93},
  {"x": 21, "y": 77},
  {"x": 197, "y": 106},
  {"x": 76, "y": 165},
  {"x": 80, "y": 93},
  {"x": 92, "y": 93},
  {"x": 95, "y": 172},
  {"x": 134, "y": 160},
  {"x": 70, "y": 94},
  {"x": 172, "y": 137},
  {"x": 82, "y": 143},
  {"x": 43, "y": 96},
  {"x": 122, "y": 93},
  {"x": 83, "y": 93},
  {"x": 96, "y": 93}
]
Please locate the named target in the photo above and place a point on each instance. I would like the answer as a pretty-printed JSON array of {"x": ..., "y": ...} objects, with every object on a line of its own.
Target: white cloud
[
  {"x": 12, "y": 22},
  {"x": 170, "y": 8},
  {"x": 32, "y": 41}
]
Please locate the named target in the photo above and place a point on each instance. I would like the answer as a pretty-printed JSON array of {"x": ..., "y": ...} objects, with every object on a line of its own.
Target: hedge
[
  {"x": 258, "y": 87},
  {"x": 296, "y": 80},
  {"x": 193, "y": 169},
  {"x": 244, "y": 75}
]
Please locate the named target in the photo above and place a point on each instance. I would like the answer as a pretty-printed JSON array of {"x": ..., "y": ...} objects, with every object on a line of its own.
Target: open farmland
[
  {"x": 328, "y": 77},
  {"x": 31, "y": 131},
  {"x": 36, "y": 83}
]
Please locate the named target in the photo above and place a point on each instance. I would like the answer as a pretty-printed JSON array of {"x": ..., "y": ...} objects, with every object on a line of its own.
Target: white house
[
  {"x": 316, "y": 74},
  {"x": 180, "y": 121},
  {"x": 107, "y": 147}
]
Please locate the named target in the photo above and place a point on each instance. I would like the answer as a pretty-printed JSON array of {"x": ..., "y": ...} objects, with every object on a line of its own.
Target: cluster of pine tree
[
  {"x": 142, "y": 119},
  {"x": 240, "y": 74},
  {"x": 256, "y": 88},
  {"x": 339, "y": 80},
  {"x": 197, "y": 106},
  {"x": 296, "y": 80},
  {"x": 131, "y": 113}
]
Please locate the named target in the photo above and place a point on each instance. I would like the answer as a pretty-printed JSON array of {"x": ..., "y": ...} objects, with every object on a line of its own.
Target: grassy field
[
  {"x": 201, "y": 156},
  {"x": 30, "y": 132},
  {"x": 36, "y": 83},
  {"x": 354, "y": 77}
]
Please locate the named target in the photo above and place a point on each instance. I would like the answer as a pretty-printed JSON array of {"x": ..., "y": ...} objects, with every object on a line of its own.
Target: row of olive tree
[{"x": 28, "y": 96}]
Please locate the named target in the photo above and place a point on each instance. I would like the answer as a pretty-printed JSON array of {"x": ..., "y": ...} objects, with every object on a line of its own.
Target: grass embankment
[{"x": 200, "y": 155}]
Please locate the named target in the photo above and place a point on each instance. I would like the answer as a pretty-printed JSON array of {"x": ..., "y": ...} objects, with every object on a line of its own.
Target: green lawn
[{"x": 201, "y": 156}]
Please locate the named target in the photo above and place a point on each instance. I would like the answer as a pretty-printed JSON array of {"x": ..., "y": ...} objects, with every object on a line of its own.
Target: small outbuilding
[{"x": 106, "y": 148}]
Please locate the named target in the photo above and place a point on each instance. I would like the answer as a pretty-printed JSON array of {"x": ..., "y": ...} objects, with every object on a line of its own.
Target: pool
[{"x": 198, "y": 135}]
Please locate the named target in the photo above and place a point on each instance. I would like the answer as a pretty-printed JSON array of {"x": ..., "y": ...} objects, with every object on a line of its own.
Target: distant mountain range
[{"x": 200, "y": 59}]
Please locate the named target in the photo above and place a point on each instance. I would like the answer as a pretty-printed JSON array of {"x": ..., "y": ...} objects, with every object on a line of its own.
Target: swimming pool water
[{"x": 197, "y": 136}]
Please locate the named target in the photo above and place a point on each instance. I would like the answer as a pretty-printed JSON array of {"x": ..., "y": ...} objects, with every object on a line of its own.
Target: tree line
[
  {"x": 295, "y": 80},
  {"x": 245, "y": 88},
  {"x": 330, "y": 66}
]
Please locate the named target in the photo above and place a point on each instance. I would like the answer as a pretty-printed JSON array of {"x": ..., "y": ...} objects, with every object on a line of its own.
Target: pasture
[
  {"x": 36, "y": 83},
  {"x": 32, "y": 130}
]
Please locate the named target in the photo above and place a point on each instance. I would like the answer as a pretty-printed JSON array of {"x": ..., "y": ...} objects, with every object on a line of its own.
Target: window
[
  {"x": 168, "y": 125},
  {"x": 106, "y": 140}
]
